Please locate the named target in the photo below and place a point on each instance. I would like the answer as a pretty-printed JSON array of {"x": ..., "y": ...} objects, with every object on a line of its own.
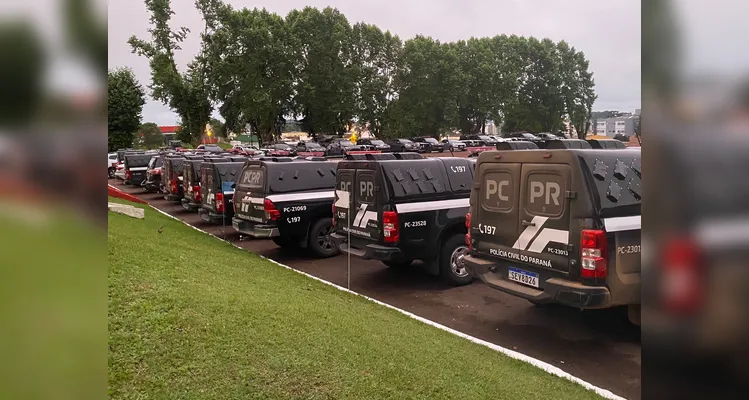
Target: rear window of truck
[{"x": 252, "y": 178}]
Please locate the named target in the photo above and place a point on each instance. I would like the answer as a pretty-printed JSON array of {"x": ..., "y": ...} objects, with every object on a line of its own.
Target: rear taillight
[
  {"x": 156, "y": 171},
  {"x": 333, "y": 210},
  {"x": 196, "y": 190},
  {"x": 468, "y": 231},
  {"x": 174, "y": 186},
  {"x": 127, "y": 175},
  {"x": 271, "y": 212},
  {"x": 390, "y": 226},
  {"x": 220, "y": 202},
  {"x": 680, "y": 283},
  {"x": 593, "y": 254}
]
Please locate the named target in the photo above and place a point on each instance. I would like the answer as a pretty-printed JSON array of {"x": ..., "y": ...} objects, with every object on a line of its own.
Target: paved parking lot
[{"x": 600, "y": 347}]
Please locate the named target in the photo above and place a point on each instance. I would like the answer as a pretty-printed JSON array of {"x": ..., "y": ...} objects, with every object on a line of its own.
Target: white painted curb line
[{"x": 510, "y": 353}]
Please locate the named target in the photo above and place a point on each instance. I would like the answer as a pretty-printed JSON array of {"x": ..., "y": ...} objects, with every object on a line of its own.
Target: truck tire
[
  {"x": 110, "y": 173},
  {"x": 319, "y": 241},
  {"x": 451, "y": 266}
]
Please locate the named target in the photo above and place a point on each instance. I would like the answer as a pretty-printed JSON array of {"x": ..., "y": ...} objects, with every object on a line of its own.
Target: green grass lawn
[{"x": 191, "y": 317}]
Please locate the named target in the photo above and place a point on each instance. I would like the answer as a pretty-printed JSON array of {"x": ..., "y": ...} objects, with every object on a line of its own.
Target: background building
[{"x": 622, "y": 125}]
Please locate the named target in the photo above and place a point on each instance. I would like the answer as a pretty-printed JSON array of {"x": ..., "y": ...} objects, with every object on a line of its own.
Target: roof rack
[
  {"x": 560, "y": 144},
  {"x": 408, "y": 156},
  {"x": 606, "y": 144},
  {"x": 517, "y": 145},
  {"x": 276, "y": 159}
]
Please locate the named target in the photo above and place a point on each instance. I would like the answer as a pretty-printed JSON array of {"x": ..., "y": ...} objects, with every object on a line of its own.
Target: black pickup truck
[
  {"x": 191, "y": 179},
  {"x": 288, "y": 200},
  {"x": 136, "y": 166},
  {"x": 171, "y": 177},
  {"x": 152, "y": 183},
  {"x": 558, "y": 226},
  {"x": 217, "y": 190},
  {"x": 401, "y": 207}
]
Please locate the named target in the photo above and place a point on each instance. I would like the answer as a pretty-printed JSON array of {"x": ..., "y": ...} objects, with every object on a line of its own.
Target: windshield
[
  {"x": 313, "y": 146},
  {"x": 282, "y": 146},
  {"x": 529, "y": 136},
  {"x": 431, "y": 140},
  {"x": 406, "y": 141},
  {"x": 378, "y": 143},
  {"x": 485, "y": 138}
]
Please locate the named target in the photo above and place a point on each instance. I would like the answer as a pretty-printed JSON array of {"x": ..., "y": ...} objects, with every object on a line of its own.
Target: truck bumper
[
  {"x": 151, "y": 186},
  {"x": 555, "y": 290},
  {"x": 369, "y": 251},
  {"x": 172, "y": 197},
  {"x": 211, "y": 216},
  {"x": 254, "y": 229},
  {"x": 189, "y": 206}
]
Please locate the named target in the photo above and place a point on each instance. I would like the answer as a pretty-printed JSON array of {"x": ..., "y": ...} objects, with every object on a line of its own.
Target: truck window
[{"x": 252, "y": 178}]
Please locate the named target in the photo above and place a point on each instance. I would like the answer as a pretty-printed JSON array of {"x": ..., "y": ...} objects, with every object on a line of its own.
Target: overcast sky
[{"x": 608, "y": 32}]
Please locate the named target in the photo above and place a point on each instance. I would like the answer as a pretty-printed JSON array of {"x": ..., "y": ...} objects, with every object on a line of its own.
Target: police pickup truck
[
  {"x": 217, "y": 190},
  {"x": 191, "y": 179},
  {"x": 401, "y": 207},
  {"x": 287, "y": 200},
  {"x": 558, "y": 226},
  {"x": 135, "y": 167}
]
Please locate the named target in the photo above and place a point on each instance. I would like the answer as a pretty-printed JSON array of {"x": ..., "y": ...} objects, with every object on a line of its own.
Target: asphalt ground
[{"x": 598, "y": 346}]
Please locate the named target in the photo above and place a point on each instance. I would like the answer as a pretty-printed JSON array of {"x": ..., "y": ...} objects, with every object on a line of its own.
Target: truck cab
[
  {"x": 217, "y": 181},
  {"x": 171, "y": 176},
  {"x": 558, "y": 226},
  {"x": 135, "y": 168},
  {"x": 287, "y": 200},
  {"x": 191, "y": 180},
  {"x": 401, "y": 207}
]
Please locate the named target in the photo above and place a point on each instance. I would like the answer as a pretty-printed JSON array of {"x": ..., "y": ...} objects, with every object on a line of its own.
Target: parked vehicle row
[{"x": 553, "y": 225}]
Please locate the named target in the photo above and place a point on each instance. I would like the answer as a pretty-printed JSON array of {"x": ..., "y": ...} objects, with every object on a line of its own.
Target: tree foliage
[
  {"x": 259, "y": 68},
  {"x": 251, "y": 67},
  {"x": 21, "y": 72},
  {"x": 125, "y": 98},
  {"x": 324, "y": 70},
  {"x": 151, "y": 135},
  {"x": 185, "y": 93},
  {"x": 375, "y": 57}
]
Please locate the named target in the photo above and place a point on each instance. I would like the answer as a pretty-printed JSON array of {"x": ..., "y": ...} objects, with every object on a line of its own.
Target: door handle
[{"x": 528, "y": 223}]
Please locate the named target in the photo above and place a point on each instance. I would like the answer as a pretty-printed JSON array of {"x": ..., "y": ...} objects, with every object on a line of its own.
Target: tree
[
  {"x": 252, "y": 66},
  {"x": 125, "y": 104},
  {"x": 578, "y": 89},
  {"x": 185, "y": 93},
  {"x": 426, "y": 84},
  {"x": 218, "y": 128},
  {"x": 21, "y": 72},
  {"x": 375, "y": 57},
  {"x": 151, "y": 135},
  {"x": 324, "y": 73}
]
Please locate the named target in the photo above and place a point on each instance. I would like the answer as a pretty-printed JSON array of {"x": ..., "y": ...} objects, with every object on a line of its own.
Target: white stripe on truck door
[
  {"x": 300, "y": 196},
  {"x": 431, "y": 205}
]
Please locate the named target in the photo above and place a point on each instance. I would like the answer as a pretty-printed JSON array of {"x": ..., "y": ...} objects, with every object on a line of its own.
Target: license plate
[{"x": 524, "y": 277}]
